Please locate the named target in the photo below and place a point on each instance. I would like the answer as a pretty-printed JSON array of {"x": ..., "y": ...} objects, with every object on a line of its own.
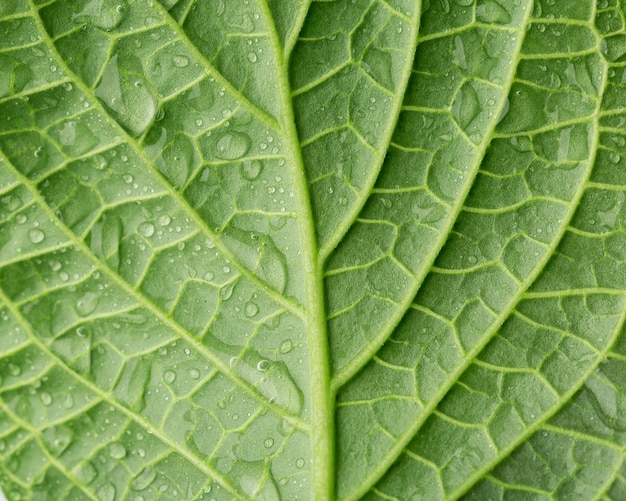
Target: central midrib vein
[{"x": 322, "y": 412}]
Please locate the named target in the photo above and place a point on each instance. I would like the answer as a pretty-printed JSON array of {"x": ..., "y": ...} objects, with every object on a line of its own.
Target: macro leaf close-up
[{"x": 312, "y": 250}]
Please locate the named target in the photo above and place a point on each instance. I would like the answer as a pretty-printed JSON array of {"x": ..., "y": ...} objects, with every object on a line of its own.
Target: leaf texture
[{"x": 312, "y": 250}]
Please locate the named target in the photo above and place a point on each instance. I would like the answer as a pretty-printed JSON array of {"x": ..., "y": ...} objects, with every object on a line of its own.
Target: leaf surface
[{"x": 366, "y": 249}]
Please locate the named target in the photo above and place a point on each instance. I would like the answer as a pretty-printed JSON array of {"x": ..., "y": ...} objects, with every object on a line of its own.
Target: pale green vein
[{"x": 322, "y": 401}]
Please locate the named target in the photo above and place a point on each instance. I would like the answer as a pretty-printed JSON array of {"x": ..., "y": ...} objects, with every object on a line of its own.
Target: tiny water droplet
[
  {"x": 169, "y": 377},
  {"x": 299, "y": 463},
  {"x": 194, "y": 374},
  {"x": 269, "y": 442},
  {"x": 252, "y": 57}
]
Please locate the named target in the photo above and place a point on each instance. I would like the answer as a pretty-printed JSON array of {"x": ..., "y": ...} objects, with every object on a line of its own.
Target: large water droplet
[
  {"x": 232, "y": 145},
  {"x": 285, "y": 346},
  {"x": 87, "y": 304},
  {"x": 103, "y": 14},
  {"x": 144, "y": 479},
  {"x": 45, "y": 398},
  {"x": 251, "y": 310},
  {"x": 127, "y": 95},
  {"x": 36, "y": 236},
  {"x": 169, "y": 377},
  {"x": 251, "y": 169},
  {"x": 146, "y": 229},
  {"x": 117, "y": 451},
  {"x": 180, "y": 61}
]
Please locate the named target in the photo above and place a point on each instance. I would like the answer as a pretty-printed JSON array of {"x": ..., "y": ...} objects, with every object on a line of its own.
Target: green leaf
[{"x": 315, "y": 250}]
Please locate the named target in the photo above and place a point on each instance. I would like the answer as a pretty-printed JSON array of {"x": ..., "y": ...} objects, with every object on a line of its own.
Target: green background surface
[{"x": 312, "y": 250}]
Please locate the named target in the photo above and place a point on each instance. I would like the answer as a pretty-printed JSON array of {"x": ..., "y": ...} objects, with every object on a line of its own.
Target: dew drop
[
  {"x": 263, "y": 365},
  {"x": 146, "y": 229},
  {"x": 269, "y": 442},
  {"x": 169, "y": 377},
  {"x": 252, "y": 57},
  {"x": 117, "y": 451},
  {"x": 299, "y": 463},
  {"x": 36, "y": 236},
  {"x": 251, "y": 310},
  {"x": 45, "y": 398},
  {"x": 194, "y": 374},
  {"x": 87, "y": 303},
  {"x": 180, "y": 61},
  {"x": 227, "y": 291},
  {"x": 285, "y": 346},
  {"x": 232, "y": 145},
  {"x": 164, "y": 220},
  {"x": 144, "y": 479},
  {"x": 251, "y": 169}
]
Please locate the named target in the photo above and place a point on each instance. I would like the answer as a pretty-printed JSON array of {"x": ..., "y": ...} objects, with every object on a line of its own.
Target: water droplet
[
  {"x": 128, "y": 98},
  {"x": 251, "y": 169},
  {"x": 252, "y": 57},
  {"x": 117, "y": 451},
  {"x": 87, "y": 304},
  {"x": 286, "y": 346},
  {"x": 36, "y": 236},
  {"x": 209, "y": 275},
  {"x": 180, "y": 61},
  {"x": 144, "y": 479},
  {"x": 251, "y": 310},
  {"x": 21, "y": 218},
  {"x": 232, "y": 145},
  {"x": 106, "y": 493},
  {"x": 169, "y": 377},
  {"x": 45, "y": 398},
  {"x": 227, "y": 291},
  {"x": 615, "y": 158},
  {"x": 387, "y": 204},
  {"x": 194, "y": 374},
  {"x": 299, "y": 463},
  {"x": 263, "y": 365},
  {"x": 269, "y": 442},
  {"x": 164, "y": 220},
  {"x": 68, "y": 403},
  {"x": 146, "y": 229},
  {"x": 103, "y": 14}
]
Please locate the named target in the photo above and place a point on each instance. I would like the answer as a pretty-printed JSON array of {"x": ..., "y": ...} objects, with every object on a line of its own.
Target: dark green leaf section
[
  {"x": 455, "y": 97},
  {"x": 348, "y": 73},
  {"x": 493, "y": 253}
]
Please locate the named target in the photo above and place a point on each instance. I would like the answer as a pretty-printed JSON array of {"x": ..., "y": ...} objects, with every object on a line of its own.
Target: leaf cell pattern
[{"x": 331, "y": 249}]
